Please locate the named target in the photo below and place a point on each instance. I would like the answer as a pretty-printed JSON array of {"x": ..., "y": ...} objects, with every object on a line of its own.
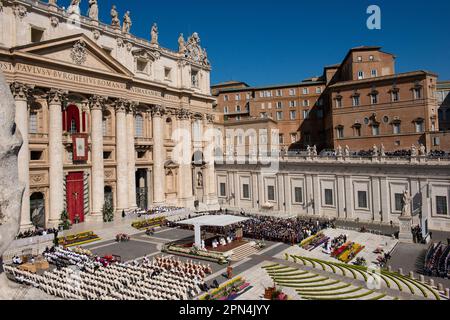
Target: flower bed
[
  {"x": 227, "y": 291},
  {"x": 149, "y": 223},
  {"x": 348, "y": 252},
  {"x": 217, "y": 257},
  {"x": 315, "y": 242},
  {"x": 78, "y": 239}
]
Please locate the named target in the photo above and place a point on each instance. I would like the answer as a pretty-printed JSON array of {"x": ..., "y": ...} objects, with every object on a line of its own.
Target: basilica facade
[{"x": 98, "y": 107}]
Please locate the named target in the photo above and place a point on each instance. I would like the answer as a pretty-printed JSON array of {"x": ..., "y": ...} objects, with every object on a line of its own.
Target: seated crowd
[
  {"x": 157, "y": 279},
  {"x": 293, "y": 230},
  {"x": 35, "y": 233}
]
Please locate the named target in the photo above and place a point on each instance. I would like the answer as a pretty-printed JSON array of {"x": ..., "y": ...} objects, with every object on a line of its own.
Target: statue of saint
[
  {"x": 339, "y": 151},
  {"x": 205, "y": 57},
  {"x": 375, "y": 151},
  {"x": 314, "y": 151},
  {"x": 93, "y": 10},
  {"x": 181, "y": 44},
  {"x": 154, "y": 34},
  {"x": 126, "y": 22},
  {"x": 383, "y": 151},
  {"x": 413, "y": 151},
  {"x": 406, "y": 211},
  {"x": 422, "y": 150},
  {"x": 347, "y": 151},
  {"x": 74, "y": 7},
  {"x": 308, "y": 151},
  {"x": 115, "y": 21}
]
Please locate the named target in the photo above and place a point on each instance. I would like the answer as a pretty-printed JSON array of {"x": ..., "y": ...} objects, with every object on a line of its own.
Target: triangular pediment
[{"x": 77, "y": 50}]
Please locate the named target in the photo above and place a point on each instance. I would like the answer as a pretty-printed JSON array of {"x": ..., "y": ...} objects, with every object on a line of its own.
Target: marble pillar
[
  {"x": 131, "y": 155},
  {"x": 186, "y": 197},
  {"x": 122, "y": 158},
  {"x": 159, "y": 196},
  {"x": 98, "y": 172},
  {"x": 56, "y": 156},
  {"x": 21, "y": 94}
]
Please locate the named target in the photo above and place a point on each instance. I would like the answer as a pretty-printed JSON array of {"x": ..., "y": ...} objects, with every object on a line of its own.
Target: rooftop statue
[
  {"x": 74, "y": 7},
  {"x": 154, "y": 34},
  {"x": 93, "y": 10},
  {"x": 115, "y": 21},
  {"x": 10, "y": 189},
  {"x": 195, "y": 52},
  {"x": 126, "y": 22},
  {"x": 181, "y": 44}
]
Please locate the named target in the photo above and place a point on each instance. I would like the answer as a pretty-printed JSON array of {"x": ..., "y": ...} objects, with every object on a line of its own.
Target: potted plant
[{"x": 108, "y": 212}]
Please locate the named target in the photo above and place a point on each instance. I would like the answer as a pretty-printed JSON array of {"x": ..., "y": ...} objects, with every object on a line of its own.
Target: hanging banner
[{"x": 80, "y": 148}]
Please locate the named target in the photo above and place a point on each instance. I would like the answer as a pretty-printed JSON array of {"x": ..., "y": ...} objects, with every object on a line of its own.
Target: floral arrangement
[
  {"x": 315, "y": 242},
  {"x": 227, "y": 291},
  {"x": 347, "y": 252},
  {"x": 149, "y": 223},
  {"x": 78, "y": 239},
  {"x": 82, "y": 251}
]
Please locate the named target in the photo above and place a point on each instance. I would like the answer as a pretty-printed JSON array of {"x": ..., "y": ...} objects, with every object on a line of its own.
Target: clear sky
[{"x": 266, "y": 42}]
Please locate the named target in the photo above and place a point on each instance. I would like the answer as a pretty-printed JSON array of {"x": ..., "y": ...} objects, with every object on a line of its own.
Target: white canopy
[
  {"x": 211, "y": 221},
  {"x": 214, "y": 221}
]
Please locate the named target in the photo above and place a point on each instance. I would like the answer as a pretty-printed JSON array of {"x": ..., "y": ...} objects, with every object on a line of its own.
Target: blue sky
[{"x": 266, "y": 42}]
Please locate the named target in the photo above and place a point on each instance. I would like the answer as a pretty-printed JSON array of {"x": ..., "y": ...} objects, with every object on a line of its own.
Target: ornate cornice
[
  {"x": 158, "y": 111},
  {"x": 20, "y": 91},
  {"x": 97, "y": 102},
  {"x": 121, "y": 105},
  {"x": 56, "y": 96},
  {"x": 184, "y": 114}
]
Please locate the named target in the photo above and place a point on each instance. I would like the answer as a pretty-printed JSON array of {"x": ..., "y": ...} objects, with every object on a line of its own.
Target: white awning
[{"x": 214, "y": 221}]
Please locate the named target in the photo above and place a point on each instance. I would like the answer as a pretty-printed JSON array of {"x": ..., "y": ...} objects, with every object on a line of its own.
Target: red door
[{"x": 75, "y": 196}]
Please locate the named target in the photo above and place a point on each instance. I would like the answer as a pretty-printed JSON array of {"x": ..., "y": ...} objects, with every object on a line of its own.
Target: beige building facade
[{"x": 101, "y": 113}]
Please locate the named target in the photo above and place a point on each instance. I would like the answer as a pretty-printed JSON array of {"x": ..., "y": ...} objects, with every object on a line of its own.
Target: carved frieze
[{"x": 79, "y": 52}]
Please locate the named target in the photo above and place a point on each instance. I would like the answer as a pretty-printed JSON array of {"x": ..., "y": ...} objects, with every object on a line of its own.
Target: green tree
[{"x": 108, "y": 212}]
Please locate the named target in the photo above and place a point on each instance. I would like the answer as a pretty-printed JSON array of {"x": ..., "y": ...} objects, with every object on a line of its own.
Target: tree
[
  {"x": 108, "y": 212},
  {"x": 65, "y": 221}
]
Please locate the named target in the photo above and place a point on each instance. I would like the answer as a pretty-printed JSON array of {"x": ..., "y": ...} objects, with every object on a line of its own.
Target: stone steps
[{"x": 243, "y": 252}]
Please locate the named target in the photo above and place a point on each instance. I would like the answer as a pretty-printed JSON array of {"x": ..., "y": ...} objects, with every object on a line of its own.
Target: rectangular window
[
  {"x": 298, "y": 195},
  {"x": 248, "y": 96},
  {"x": 374, "y": 73},
  {"x": 194, "y": 79},
  {"x": 362, "y": 199},
  {"x": 441, "y": 205},
  {"x": 305, "y": 114},
  {"x": 305, "y": 90},
  {"x": 292, "y": 104},
  {"x": 293, "y": 137},
  {"x": 419, "y": 127},
  {"x": 340, "y": 132},
  {"x": 360, "y": 75},
  {"x": 318, "y": 90},
  {"x": 33, "y": 127},
  {"x": 338, "y": 103},
  {"x": 417, "y": 93},
  {"x": 293, "y": 115},
  {"x": 398, "y": 202},
  {"x": 279, "y": 93},
  {"x": 373, "y": 98},
  {"x": 225, "y": 98},
  {"x": 396, "y": 127},
  {"x": 292, "y": 92},
  {"x": 225, "y": 110},
  {"x": 167, "y": 74},
  {"x": 141, "y": 66},
  {"x": 245, "y": 191},
  {"x": 356, "y": 101},
  {"x": 238, "y": 97},
  {"x": 35, "y": 155},
  {"x": 223, "y": 192},
  {"x": 395, "y": 96},
  {"x": 37, "y": 35},
  {"x": 329, "y": 197},
  {"x": 279, "y": 105},
  {"x": 306, "y": 103},
  {"x": 375, "y": 130},
  {"x": 279, "y": 115},
  {"x": 357, "y": 131},
  {"x": 271, "y": 193}
]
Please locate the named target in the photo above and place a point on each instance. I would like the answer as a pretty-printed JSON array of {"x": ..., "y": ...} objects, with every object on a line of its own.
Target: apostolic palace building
[{"x": 97, "y": 108}]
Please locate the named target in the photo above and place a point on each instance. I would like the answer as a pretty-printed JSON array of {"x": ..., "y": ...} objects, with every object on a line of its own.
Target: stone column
[
  {"x": 56, "y": 156},
  {"x": 210, "y": 173},
  {"x": 131, "y": 155},
  {"x": 186, "y": 196},
  {"x": 121, "y": 156},
  {"x": 159, "y": 196},
  {"x": 20, "y": 93},
  {"x": 98, "y": 171}
]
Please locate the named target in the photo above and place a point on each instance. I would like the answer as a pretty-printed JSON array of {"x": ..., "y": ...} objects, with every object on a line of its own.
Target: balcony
[
  {"x": 142, "y": 142},
  {"x": 38, "y": 137}
]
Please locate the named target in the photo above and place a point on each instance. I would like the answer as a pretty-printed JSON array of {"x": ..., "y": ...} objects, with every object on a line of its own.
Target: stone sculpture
[
  {"x": 10, "y": 189},
  {"x": 93, "y": 10},
  {"x": 154, "y": 34},
  {"x": 126, "y": 22},
  {"x": 115, "y": 21}
]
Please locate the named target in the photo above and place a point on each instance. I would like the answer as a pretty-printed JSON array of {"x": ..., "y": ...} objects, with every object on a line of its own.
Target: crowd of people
[
  {"x": 158, "y": 279},
  {"x": 36, "y": 233},
  {"x": 292, "y": 230},
  {"x": 437, "y": 260}
]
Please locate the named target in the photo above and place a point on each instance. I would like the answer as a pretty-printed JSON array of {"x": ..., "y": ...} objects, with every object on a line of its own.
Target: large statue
[
  {"x": 383, "y": 151},
  {"x": 347, "y": 151},
  {"x": 74, "y": 8},
  {"x": 126, "y": 22},
  {"x": 181, "y": 44},
  {"x": 205, "y": 57},
  {"x": 115, "y": 21},
  {"x": 422, "y": 150},
  {"x": 375, "y": 151},
  {"x": 93, "y": 10},
  {"x": 10, "y": 189},
  {"x": 339, "y": 151},
  {"x": 154, "y": 34},
  {"x": 413, "y": 151},
  {"x": 406, "y": 211}
]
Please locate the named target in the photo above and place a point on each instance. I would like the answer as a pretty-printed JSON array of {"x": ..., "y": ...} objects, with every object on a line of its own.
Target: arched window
[
  {"x": 139, "y": 126},
  {"x": 73, "y": 119}
]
